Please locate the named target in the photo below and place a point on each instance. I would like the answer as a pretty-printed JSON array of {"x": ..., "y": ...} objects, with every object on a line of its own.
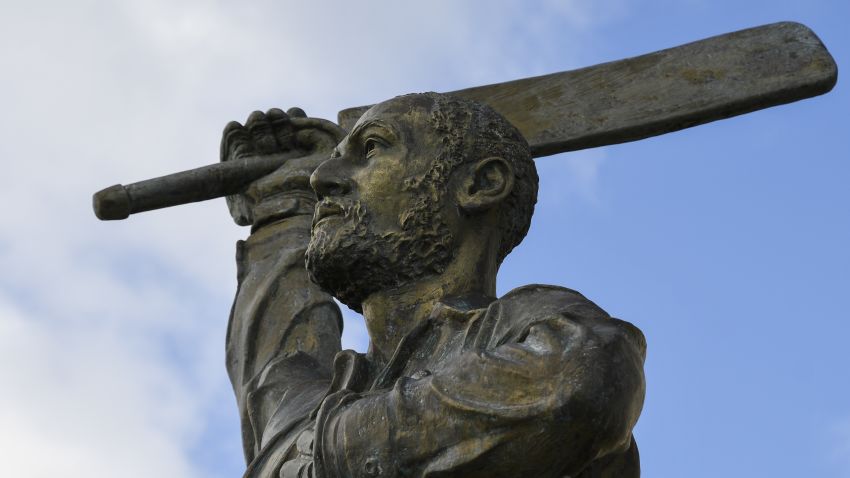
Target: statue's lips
[{"x": 325, "y": 210}]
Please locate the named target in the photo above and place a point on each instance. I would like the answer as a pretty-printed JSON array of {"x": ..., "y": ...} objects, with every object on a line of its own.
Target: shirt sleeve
[
  {"x": 544, "y": 397},
  {"x": 283, "y": 334}
]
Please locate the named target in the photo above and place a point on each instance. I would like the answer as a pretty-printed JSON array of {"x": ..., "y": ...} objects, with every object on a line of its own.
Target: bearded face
[
  {"x": 350, "y": 258},
  {"x": 380, "y": 221}
]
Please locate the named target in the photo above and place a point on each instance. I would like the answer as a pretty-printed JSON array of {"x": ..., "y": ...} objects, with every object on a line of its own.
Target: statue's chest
[{"x": 430, "y": 348}]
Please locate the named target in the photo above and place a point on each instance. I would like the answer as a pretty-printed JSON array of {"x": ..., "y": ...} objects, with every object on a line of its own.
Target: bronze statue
[
  {"x": 417, "y": 207},
  {"x": 406, "y": 215}
]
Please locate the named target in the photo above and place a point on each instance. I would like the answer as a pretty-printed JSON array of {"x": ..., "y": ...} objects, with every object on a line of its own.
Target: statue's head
[{"x": 415, "y": 175}]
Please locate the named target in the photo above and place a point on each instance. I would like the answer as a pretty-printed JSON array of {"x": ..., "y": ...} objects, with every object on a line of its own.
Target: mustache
[{"x": 336, "y": 208}]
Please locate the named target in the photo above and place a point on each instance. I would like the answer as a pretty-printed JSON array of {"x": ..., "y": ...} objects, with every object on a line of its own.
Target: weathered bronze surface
[
  {"x": 417, "y": 207},
  {"x": 406, "y": 215},
  {"x": 615, "y": 102},
  {"x": 665, "y": 91}
]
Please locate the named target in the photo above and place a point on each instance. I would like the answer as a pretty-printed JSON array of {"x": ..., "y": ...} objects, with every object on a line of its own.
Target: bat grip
[{"x": 200, "y": 184}]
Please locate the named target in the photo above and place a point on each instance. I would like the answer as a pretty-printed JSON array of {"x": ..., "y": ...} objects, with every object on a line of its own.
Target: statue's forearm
[{"x": 277, "y": 313}]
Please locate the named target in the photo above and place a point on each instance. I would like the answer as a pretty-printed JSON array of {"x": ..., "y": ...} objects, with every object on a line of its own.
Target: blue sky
[{"x": 727, "y": 244}]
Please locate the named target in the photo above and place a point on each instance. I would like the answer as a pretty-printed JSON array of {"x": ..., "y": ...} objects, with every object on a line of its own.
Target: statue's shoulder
[
  {"x": 542, "y": 300},
  {"x": 533, "y": 303}
]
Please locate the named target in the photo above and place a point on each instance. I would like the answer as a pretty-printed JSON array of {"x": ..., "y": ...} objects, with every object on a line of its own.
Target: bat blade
[{"x": 660, "y": 92}]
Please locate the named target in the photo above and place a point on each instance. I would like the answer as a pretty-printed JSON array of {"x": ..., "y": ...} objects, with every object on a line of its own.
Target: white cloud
[
  {"x": 571, "y": 176},
  {"x": 79, "y": 402},
  {"x": 111, "y": 334}
]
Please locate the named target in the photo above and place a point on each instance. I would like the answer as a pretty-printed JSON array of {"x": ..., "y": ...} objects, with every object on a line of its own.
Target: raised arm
[{"x": 284, "y": 331}]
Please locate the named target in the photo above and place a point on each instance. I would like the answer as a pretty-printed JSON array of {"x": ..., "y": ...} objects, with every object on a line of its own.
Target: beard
[{"x": 347, "y": 258}]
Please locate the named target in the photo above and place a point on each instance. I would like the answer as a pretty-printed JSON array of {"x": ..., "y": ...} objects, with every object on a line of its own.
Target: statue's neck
[{"x": 391, "y": 314}]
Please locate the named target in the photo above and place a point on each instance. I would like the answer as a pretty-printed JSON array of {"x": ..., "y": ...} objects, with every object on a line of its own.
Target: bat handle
[
  {"x": 207, "y": 182},
  {"x": 112, "y": 203}
]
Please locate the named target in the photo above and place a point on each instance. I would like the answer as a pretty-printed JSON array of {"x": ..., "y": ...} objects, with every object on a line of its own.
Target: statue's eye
[{"x": 370, "y": 147}]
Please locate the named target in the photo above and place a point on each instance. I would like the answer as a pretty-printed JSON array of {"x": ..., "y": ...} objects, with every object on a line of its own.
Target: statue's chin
[
  {"x": 338, "y": 263},
  {"x": 351, "y": 261}
]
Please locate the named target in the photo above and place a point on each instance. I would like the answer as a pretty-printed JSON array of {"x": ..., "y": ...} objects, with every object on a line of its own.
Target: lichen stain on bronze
[{"x": 698, "y": 77}]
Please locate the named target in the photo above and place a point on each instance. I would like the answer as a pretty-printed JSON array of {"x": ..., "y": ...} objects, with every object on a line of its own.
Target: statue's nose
[{"x": 328, "y": 180}]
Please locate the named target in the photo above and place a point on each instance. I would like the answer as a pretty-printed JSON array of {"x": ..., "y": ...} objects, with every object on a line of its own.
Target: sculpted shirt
[{"x": 541, "y": 383}]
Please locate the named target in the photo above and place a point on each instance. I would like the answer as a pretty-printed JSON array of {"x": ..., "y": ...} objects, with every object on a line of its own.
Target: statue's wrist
[
  {"x": 292, "y": 232},
  {"x": 282, "y": 206}
]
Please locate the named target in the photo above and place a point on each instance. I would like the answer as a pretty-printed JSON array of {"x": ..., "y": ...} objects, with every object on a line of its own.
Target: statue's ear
[{"x": 485, "y": 184}]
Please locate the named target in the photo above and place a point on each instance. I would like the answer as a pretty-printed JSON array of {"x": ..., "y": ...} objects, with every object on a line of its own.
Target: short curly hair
[{"x": 471, "y": 131}]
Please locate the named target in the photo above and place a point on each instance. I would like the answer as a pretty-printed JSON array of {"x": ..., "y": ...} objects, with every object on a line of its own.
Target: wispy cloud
[
  {"x": 111, "y": 334},
  {"x": 82, "y": 402},
  {"x": 572, "y": 177}
]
